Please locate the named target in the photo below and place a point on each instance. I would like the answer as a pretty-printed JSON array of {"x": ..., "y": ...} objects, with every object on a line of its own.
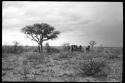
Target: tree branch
[
  {"x": 29, "y": 37},
  {"x": 37, "y": 37},
  {"x": 32, "y": 37},
  {"x": 45, "y": 39}
]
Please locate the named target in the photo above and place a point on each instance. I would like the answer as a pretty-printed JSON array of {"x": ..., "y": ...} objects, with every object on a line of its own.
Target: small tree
[
  {"x": 92, "y": 43},
  {"x": 47, "y": 48},
  {"x": 40, "y": 33},
  {"x": 16, "y": 44},
  {"x": 66, "y": 46}
]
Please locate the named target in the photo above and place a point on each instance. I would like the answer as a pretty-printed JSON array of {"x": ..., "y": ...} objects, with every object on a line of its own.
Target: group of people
[{"x": 72, "y": 48}]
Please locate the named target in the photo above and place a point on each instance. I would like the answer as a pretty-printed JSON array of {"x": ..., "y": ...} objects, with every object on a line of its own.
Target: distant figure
[
  {"x": 88, "y": 49},
  {"x": 68, "y": 48},
  {"x": 75, "y": 48},
  {"x": 80, "y": 48},
  {"x": 72, "y": 48}
]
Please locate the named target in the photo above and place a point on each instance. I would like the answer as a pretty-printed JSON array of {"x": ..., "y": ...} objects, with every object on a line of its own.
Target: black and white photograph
[{"x": 62, "y": 41}]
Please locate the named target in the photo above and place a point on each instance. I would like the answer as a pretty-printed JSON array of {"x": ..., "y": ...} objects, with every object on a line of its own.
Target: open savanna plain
[{"x": 102, "y": 65}]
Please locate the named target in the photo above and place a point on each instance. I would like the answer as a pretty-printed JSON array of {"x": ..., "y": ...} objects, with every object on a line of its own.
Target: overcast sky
[{"x": 78, "y": 22}]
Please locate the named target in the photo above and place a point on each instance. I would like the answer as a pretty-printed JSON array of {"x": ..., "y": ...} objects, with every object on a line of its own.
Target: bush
[{"x": 95, "y": 67}]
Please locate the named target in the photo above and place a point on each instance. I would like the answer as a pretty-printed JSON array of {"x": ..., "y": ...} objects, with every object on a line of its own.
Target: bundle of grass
[{"x": 96, "y": 67}]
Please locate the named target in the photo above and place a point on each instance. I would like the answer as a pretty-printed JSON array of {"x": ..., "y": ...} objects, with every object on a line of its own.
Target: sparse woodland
[{"x": 60, "y": 63}]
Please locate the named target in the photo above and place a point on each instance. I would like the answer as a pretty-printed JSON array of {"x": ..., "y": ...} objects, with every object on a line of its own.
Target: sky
[{"x": 78, "y": 22}]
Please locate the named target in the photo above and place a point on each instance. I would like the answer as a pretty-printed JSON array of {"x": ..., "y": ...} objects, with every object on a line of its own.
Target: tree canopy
[{"x": 40, "y": 32}]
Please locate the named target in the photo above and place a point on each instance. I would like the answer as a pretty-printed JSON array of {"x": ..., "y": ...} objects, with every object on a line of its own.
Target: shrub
[{"x": 95, "y": 67}]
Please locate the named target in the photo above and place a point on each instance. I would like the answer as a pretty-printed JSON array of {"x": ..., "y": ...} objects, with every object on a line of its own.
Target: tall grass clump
[{"x": 96, "y": 67}]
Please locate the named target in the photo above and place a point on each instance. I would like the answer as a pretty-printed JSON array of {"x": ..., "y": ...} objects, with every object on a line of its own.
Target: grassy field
[{"x": 102, "y": 65}]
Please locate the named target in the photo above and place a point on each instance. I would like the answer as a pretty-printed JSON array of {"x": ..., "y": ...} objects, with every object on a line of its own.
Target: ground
[{"x": 59, "y": 67}]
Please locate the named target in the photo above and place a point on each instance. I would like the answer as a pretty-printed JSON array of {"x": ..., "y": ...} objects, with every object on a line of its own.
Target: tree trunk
[
  {"x": 41, "y": 48},
  {"x": 38, "y": 48}
]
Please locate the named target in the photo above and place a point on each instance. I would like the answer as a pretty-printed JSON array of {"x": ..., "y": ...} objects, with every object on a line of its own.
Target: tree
[
  {"x": 40, "y": 33},
  {"x": 92, "y": 43},
  {"x": 47, "y": 48},
  {"x": 16, "y": 44},
  {"x": 66, "y": 46}
]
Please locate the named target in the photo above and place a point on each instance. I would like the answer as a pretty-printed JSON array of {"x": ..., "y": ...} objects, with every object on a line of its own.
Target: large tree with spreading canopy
[{"x": 40, "y": 33}]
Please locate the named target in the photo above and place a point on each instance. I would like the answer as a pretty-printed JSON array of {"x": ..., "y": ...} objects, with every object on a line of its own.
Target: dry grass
[
  {"x": 63, "y": 66},
  {"x": 95, "y": 67}
]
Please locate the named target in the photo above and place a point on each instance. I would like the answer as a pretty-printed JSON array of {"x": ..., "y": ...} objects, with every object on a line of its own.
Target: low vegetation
[
  {"x": 96, "y": 67},
  {"x": 62, "y": 66}
]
